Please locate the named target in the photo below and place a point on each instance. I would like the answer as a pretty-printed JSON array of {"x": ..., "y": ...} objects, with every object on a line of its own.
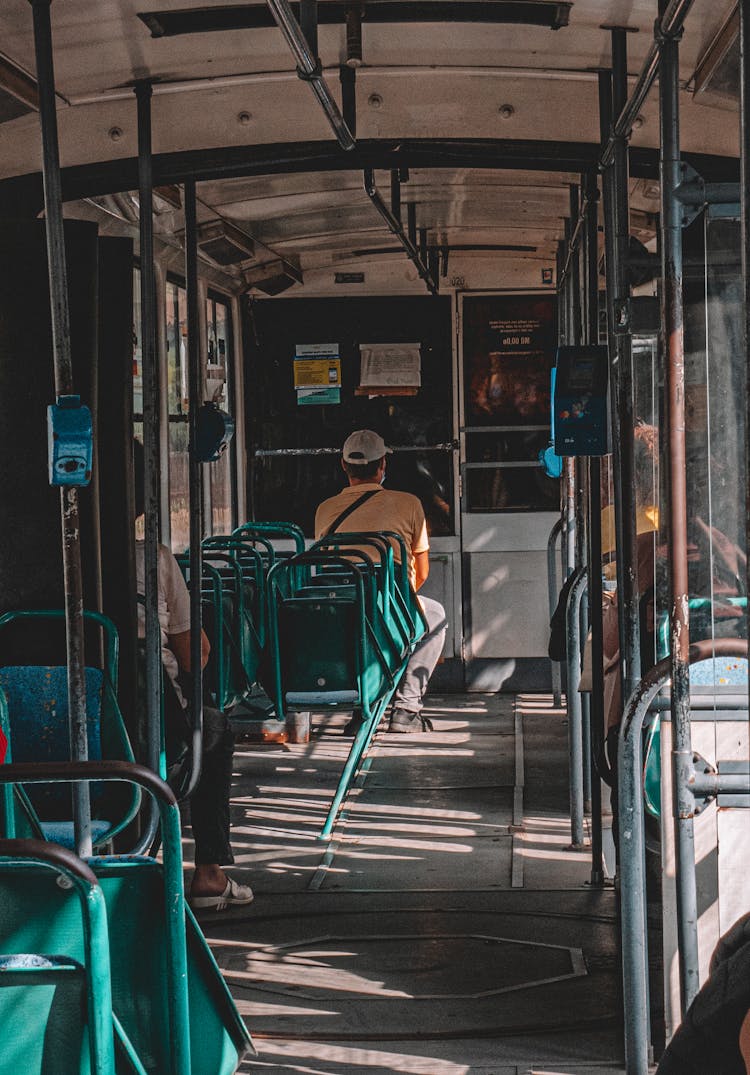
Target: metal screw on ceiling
[
  {"x": 506, "y": 111},
  {"x": 375, "y": 100},
  {"x": 115, "y": 133},
  {"x": 244, "y": 118},
  {"x": 638, "y": 123}
]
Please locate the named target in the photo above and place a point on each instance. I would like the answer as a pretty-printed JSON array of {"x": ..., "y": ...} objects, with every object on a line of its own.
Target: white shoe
[{"x": 234, "y": 895}]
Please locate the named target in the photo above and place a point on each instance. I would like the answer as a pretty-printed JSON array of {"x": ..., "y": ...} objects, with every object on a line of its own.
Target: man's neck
[{"x": 363, "y": 481}]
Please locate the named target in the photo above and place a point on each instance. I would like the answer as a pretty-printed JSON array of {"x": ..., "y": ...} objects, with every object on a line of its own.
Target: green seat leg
[{"x": 362, "y": 740}]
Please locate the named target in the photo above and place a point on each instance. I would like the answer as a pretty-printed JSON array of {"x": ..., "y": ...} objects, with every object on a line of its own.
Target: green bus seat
[
  {"x": 55, "y": 997},
  {"x": 333, "y": 647},
  {"x": 170, "y": 1009},
  {"x": 224, "y": 675},
  {"x": 275, "y": 529}
]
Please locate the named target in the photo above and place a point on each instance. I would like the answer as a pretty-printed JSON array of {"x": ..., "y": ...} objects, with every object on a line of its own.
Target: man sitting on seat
[
  {"x": 366, "y": 506},
  {"x": 211, "y": 889}
]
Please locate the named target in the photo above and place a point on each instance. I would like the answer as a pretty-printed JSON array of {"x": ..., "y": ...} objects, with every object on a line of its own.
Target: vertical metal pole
[
  {"x": 553, "y": 590},
  {"x": 348, "y": 79},
  {"x": 195, "y": 478},
  {"x": 744, "y": 8},
  {"x": 411, "y": 222},
  {"x": 575, "y": 729},
  {"x": 682, "y": 754},
  {"x": 308, "y": 20},
  {"x": 585, "y": 709},
  {"x": 575, "y": 328},
  {"x": 63, "y": 368},
  {"x": 396, "y": 193},
  {"x": 570, "y": 516},
  {"x": 574, "y": 269},
  {"x": 610, "y": 257},
  {"x": 354, "y": 35},
  {"x": 627, "y": 554},
  {"x": 633, "y": 879},
  {"x": 569, "y": 463},
  {"x": 595, "y": 547},
  {"x": 150, "y": 432}
]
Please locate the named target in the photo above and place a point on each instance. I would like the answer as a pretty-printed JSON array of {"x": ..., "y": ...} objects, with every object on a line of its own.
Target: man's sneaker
[{"x": 405, "y": 722}]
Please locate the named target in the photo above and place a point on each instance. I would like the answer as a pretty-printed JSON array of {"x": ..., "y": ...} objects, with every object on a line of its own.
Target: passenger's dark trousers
[{"x": 209, "y": 803}]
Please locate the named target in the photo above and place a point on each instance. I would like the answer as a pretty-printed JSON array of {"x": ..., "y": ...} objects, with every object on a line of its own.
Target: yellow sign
[{"x": 317, "y": 373}]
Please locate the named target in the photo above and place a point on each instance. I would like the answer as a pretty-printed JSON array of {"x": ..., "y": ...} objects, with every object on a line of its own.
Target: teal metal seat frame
[
  {"x": 33, "y": 857},
  {"x": 176, "y": 917},
  {"x": 378, "y": 637}
]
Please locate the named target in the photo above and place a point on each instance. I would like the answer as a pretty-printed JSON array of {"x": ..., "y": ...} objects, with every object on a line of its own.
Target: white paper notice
[{"x": 392, "y": 365}]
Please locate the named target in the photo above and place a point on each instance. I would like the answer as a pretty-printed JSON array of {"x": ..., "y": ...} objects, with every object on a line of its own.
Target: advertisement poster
[
  {"x": 509, "y": 350},
  {"x": 317, "y": 374}
]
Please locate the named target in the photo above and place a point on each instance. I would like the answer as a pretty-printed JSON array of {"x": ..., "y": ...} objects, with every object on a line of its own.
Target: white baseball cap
[{"x": 364, "y": 446}]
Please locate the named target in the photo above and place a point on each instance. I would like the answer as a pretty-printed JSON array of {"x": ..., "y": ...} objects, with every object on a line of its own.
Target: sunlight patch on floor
[{"x": 346, "y": 1057}]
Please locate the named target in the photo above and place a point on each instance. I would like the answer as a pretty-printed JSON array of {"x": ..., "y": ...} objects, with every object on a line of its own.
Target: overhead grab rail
[
  {"x": 575, "y": 239},
  {"x": 668, "y": 26},
  {"x": 397, "y": 228},
  {"x": 309, "y": 69}
]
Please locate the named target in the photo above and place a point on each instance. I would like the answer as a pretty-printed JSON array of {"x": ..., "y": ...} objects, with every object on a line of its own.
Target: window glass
[
  {"x": 177, "y": 403},
  {"x": 219, "y": 390},
  {"x": 714, "y": 445},
  {"x": 296, "y": 461}
]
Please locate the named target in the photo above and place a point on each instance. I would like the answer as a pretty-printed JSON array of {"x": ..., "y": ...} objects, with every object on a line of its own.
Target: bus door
[{"x": 508, "y": 504}]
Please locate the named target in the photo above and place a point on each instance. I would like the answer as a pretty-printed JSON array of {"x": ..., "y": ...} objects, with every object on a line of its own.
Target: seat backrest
[
  {"x": 37, "y": 697},
  {"x": 318, "y": 644},
  {"x": 37, "y": 700}
]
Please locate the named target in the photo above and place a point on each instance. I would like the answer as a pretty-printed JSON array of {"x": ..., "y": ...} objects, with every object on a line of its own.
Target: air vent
[
  {"x": 225, "y": 244},
  {"x": 273, "y": 277},
  {"x": 717, "y": 76},
  {"x": 349, "y": 278}
]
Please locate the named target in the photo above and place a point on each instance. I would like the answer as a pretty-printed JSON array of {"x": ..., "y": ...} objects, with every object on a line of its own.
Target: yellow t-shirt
[{"x": 388, "y": 509}]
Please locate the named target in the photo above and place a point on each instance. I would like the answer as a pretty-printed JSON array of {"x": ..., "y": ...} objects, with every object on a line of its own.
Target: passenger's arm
[
  {"x": 180, "y": 646},
  {"x": 421, "y": 568}
]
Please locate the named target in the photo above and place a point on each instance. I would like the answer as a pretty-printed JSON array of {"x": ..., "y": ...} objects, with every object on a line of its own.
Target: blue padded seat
[{"x": 37, "y": 698}]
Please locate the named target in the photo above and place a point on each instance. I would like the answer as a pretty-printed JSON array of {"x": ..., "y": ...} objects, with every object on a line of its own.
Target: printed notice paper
[{"x": 390, "y": 365}]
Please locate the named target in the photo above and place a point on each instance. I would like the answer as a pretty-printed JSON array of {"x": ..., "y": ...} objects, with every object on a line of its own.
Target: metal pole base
[{"x": 298, "y": 727}]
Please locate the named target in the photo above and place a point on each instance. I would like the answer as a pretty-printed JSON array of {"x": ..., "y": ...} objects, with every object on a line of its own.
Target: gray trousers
[{"x": 423, "y": 660}]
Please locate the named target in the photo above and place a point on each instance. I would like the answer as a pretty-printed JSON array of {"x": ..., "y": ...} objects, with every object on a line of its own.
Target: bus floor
[{"x": 446, "y": 928}]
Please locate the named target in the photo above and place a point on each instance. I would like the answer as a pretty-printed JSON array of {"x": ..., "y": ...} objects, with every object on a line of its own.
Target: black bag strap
[{"x": 348, "y": 511}]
